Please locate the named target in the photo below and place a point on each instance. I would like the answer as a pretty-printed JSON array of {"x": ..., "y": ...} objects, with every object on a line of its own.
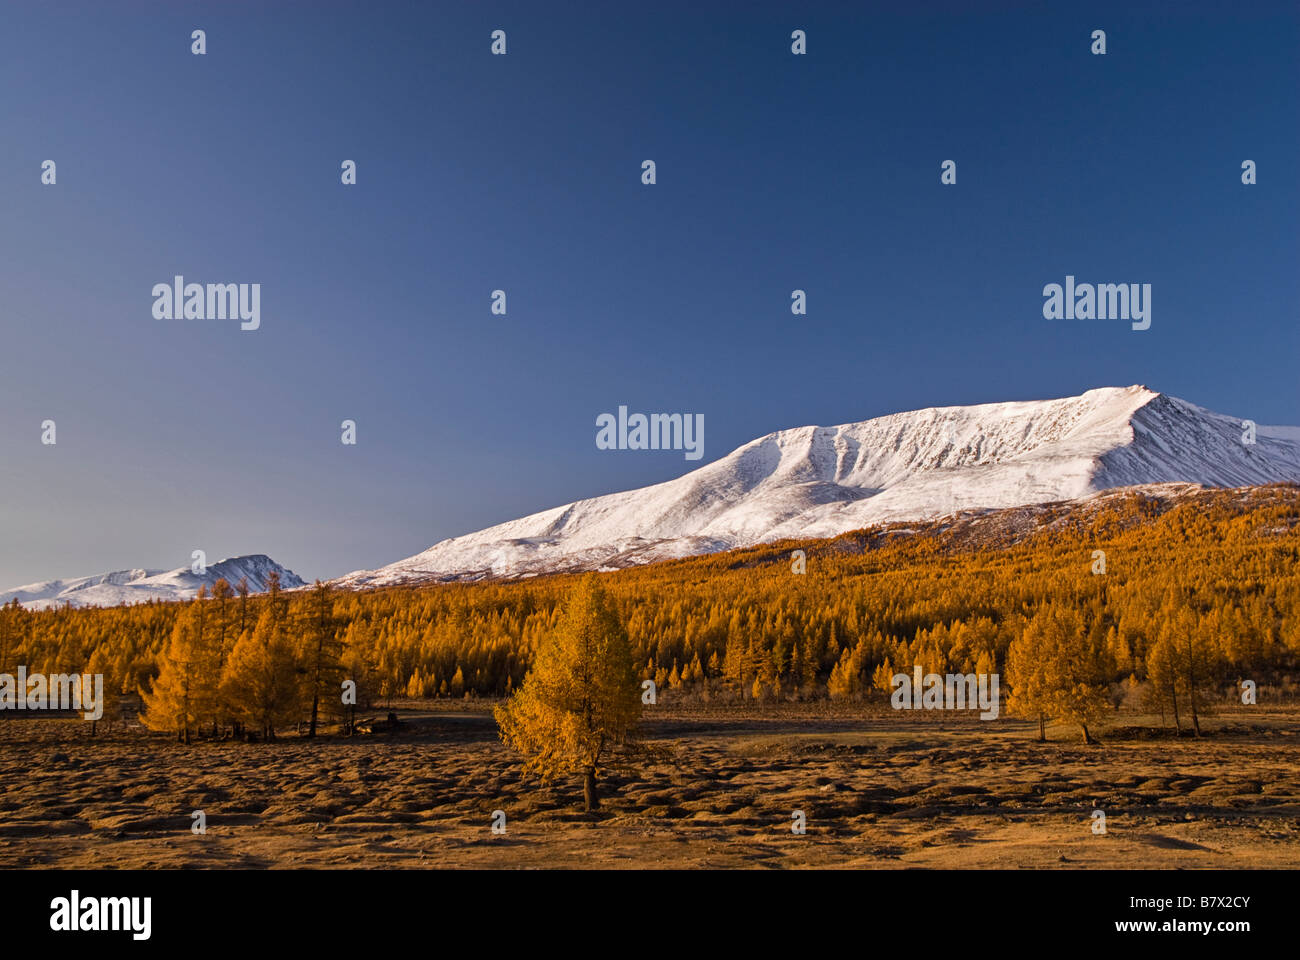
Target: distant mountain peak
[
  {"x": 812, "y": 482},
  {"x": 139, "y": 585}
]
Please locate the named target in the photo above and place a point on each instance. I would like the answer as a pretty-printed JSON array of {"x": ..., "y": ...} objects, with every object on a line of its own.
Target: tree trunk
[
  {"x": 1042, "y": 729},
  {"x": 1087, "y": 737},
  {"x": 589, "y": 795}
]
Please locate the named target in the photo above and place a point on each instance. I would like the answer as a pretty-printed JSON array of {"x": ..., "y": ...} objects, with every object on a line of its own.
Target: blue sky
[{"x": 522, "y": 172}]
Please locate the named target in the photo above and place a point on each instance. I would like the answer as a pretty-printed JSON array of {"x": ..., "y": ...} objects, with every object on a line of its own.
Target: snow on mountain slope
[
  {"x": 822, "y": 481},
  {"x": 136, "y": 586}
]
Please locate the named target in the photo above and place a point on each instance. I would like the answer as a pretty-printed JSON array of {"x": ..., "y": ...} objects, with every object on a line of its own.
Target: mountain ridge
[
  {"x": 139, "y": 585},
  {"x": 815, "y": 482}
]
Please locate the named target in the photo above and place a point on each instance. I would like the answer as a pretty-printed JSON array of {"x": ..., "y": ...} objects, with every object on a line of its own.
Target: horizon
[
  {"x": 775, "y": 173},
  {"x": 308, "y": 580}
]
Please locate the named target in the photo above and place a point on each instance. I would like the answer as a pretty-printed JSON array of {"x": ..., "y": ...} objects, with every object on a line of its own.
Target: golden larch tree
[
  {"x": 320, "y": 652},
  {"x": 580, "y": 703},
  {"x": 185, "y": 691},
  {"x": 259, "y": 686},
  {"x": 1027, "y": 675},
  {"x": 1060, "y": 669}
]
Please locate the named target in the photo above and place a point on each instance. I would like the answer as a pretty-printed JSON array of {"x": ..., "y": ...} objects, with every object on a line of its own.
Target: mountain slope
[
  {"x": 136, "y": 586},
  {"x": 823, "y": 481}
]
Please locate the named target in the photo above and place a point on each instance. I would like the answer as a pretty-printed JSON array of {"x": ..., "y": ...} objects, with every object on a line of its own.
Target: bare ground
[{"x": 878, "y": 789}]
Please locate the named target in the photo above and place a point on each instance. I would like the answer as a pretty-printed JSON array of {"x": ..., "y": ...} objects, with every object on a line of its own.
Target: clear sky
[{"x": 523, "y": 172}]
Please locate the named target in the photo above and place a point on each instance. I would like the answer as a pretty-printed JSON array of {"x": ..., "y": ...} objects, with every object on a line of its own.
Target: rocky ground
[{"x": 878, "y": 789}]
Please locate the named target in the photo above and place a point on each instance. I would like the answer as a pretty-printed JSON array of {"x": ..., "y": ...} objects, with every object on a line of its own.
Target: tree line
[{"x": 1197, "y": 595}]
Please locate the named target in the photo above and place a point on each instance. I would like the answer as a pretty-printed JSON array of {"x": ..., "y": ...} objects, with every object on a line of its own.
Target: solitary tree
[{"x": 580, "y": 702}]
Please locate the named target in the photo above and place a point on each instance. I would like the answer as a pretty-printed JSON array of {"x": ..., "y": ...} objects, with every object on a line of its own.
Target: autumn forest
[{"x": 1168, "y": 600}]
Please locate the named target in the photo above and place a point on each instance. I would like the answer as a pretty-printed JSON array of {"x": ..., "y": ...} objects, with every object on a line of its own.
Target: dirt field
[{"x": 878, "y": 789}]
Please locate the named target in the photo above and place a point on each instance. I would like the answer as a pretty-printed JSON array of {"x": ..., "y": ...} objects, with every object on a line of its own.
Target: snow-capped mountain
[
  {"x": 136, "y": 586},
  {"x": 813, "y": 482}
]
